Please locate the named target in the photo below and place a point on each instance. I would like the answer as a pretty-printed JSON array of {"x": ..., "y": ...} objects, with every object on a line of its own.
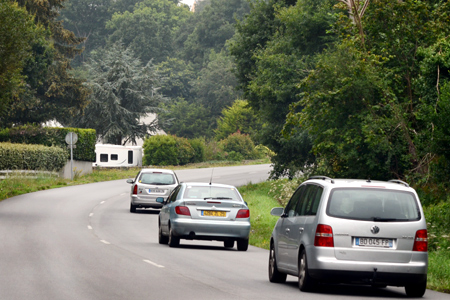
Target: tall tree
[
  {"x": 124, "y": 91},
  {"x": 87, "y": 19},
  {"x": 214, "y": 25},
  {"x": 18, "y": 36},
  {"x": 274, "y": 47},
  {"x": 52, "y": 92},
  {"x": 149, "y": 29}
]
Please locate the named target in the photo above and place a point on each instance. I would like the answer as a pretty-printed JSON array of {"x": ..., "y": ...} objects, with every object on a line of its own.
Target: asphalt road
[{"x": 82, "y": 242}]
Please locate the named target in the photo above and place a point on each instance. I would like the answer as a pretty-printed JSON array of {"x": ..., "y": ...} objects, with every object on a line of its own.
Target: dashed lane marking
[{"x": 152, "y": 263}]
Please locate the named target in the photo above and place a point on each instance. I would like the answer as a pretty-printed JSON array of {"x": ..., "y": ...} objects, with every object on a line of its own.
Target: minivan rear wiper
[{"x": 378, "y": 219}]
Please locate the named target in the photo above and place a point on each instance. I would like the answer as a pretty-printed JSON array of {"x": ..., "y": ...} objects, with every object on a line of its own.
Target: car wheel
[
  {"x": 162, "y": 239},
  {"x": 228, "y": 244},
  {"x": 275, "y": 275},
  {"x": 416, "y": 290},
  {"x": 242, "y": 244},
  {"x": 132, "y": 208},
  {"x": 173, "y": 241},
  {"x": 305, "y": 282}
]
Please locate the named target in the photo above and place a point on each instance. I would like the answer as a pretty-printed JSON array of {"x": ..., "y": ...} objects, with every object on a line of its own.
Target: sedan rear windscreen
[
  {"x": 373, "y": 205},
  {"x": 211, "y": 192}
]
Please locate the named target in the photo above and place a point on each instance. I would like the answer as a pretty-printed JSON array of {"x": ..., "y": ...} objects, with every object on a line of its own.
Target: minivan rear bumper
[
  {"x": 369, "y": 278},
  {"x": 323, "y": 265}
]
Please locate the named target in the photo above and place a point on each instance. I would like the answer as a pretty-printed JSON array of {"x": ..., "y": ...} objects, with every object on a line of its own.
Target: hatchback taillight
[
  {"x": 243, "y": 213},
  {"x": 135, "y": 189},
  {"x": 324, "y": 236},
  {"x": 421, "y": 241},
  {"x": 182, "y": 210}
]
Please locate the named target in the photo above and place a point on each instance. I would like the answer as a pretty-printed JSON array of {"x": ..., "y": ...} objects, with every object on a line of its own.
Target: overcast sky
[{"x": 188, "y": 2}]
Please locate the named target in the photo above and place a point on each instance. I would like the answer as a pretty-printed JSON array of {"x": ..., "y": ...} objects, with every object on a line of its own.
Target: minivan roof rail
[
  {"x": 321, "y": 177},
  {"x": 399, "y": 182}
]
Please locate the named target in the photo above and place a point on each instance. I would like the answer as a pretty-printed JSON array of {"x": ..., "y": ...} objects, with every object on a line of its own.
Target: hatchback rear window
[
  {"x": 373, "y": 205},
  {"x": 157, "y": 178}
]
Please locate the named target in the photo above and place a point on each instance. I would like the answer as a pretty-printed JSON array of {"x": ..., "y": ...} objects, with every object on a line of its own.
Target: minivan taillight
[
  {"x": 135, "y": 189},
  {"x": 243, "y": 213},
  {"x": 421, "y": 241},
  {"x": 182, "y": 210},
  {"x": 324, "y": 236}
]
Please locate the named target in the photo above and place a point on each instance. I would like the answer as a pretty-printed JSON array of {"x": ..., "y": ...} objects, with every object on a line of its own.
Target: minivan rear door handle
[
  {"x": 301, "y": 229},
  {"x": 287, "y": 230}
]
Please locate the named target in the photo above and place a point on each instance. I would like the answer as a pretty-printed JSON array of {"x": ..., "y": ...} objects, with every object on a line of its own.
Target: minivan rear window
[
  {"x": 380, "y": 205},
  {"x": 157, "y": 178}
]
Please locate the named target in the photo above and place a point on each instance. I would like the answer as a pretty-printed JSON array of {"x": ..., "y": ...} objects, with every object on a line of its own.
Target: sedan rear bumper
[{"x": 213, "y": 230}]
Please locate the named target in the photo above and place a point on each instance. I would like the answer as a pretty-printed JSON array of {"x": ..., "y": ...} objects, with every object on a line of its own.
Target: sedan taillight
[
  {"x": 182, "y": 210},
  {"x": 243, "y": 213},
  {"x": 421, "y": 241},
  {"x": 135, "y": 189},
  {"x": 324, "y": 236}
]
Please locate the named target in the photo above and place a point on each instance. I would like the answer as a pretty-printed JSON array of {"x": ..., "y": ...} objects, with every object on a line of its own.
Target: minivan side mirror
[
  {"x": 160, "y": 200},
  {"x": 277, "y": 211},
  {"x": 130, "y": 181}
]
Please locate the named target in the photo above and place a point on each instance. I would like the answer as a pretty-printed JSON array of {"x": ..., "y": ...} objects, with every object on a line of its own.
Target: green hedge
[
  {"x": 166, "y": 150},
  {"x": 31, "y": 157},
  {"x": 53, "y": 136}
]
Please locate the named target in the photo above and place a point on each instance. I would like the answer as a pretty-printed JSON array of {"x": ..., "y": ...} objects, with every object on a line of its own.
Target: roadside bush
[
  {"x": 214, "y": 151},
  {"x": 199, "y": 147},
  {"x": 165, "y": 150},
  {"x": 234, "y": 156},
  {"x": 185, "y": 152},
  {"x": 239, "y": 143},
  {"x": 438, "y": 224},
  {"x": 31, "y": 157},
  {"x": 160, "y": 150}
]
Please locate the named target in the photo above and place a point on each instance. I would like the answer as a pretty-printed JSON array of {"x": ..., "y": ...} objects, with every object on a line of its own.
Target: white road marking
[
  {"x": 152, "y": 263},
  {"x": 102, "y": 202},
  {"x": 91, "y": 214},
  {"x": 123, "y": 194},
  {"x": 89, "y": 227},
  {"x": 105, "y": 242}
]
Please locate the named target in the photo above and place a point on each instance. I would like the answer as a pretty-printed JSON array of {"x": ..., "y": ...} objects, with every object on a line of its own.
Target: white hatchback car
[
  {"x": 351, "y": 231},
  {"x": 150, "y": 184}
]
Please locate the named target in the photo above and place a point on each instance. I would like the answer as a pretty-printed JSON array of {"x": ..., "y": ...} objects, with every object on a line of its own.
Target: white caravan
[{"x": 107, "y": 155}]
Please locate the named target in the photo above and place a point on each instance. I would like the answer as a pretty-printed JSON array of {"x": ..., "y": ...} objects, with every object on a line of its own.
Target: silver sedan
[{"x": 204, "y": 211}]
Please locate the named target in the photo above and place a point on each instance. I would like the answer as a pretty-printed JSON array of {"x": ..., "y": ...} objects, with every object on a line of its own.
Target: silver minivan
[{"x": 351, "y": 231}]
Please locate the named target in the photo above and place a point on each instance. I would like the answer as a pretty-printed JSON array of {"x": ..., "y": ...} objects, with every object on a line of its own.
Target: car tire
[
  {"x": 173, "y": 241},
  {"x": 132, "y": 208},
  {"x": 228, "y": 244},
  {"x": 275, "y": 275},
  {"x": 162, "y": 239},
  {"x": 242, "y": 244},
  {"x": 305, "y": 282},
  {"x": 416, "y": 290}
]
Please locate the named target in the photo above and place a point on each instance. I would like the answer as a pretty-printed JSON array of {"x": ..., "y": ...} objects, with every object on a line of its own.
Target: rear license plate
[
  {"x": 213, "y": 213},
  {"x": 372, "y": 242},
  {"x": 155, "y": 191}
]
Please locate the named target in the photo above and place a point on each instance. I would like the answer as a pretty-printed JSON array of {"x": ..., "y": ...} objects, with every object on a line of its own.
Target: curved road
[{"x": 81, "y": 242}]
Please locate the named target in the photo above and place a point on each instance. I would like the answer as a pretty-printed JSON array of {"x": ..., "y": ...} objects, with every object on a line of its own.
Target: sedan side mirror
[
  {"x": 130, "y": 181},
  {"x": 160, "y": 200}
]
